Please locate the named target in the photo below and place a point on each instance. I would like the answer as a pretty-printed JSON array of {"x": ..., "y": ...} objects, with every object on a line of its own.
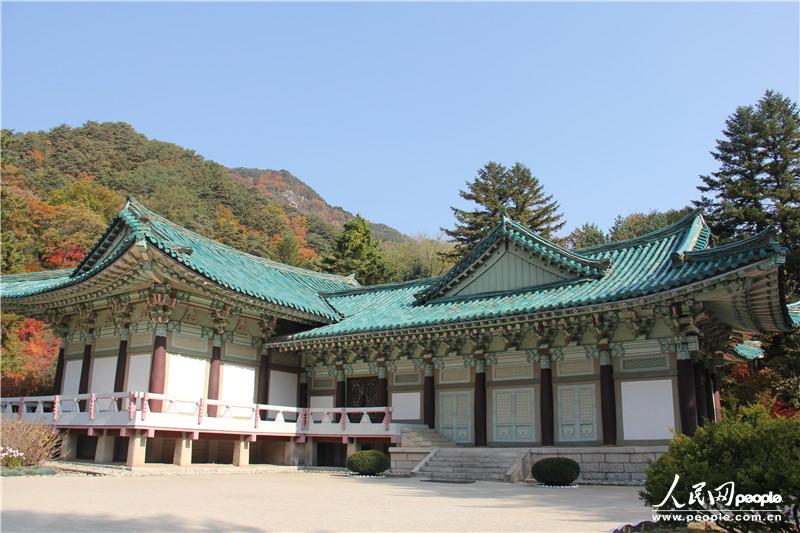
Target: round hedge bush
[
  {"x": 556, "y": 471},
  {"x": 368, "y": 462}
]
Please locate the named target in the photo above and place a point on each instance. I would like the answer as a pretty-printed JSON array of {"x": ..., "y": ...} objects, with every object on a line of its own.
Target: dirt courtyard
[{"x": 304, "y": 501}]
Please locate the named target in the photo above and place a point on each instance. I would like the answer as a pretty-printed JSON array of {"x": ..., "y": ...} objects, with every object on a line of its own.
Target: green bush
[
  {"x": 556, "y": 471},
  {"x": 760, "y": 453},
  {"x": 368, "y": 462},
  {"x": 28, "y": 471}
]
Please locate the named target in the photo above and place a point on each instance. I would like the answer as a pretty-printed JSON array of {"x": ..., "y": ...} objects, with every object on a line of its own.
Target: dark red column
[
  {"x": 608, "y": 399},
  {"x": 86, "y": 365},
  {"x": 263, "y": 381},
  {"x": 700, "y": 392},
  {"x": 480, "y": 402},
  {"x": 708, "y": 394},
  {"x": 429, "y": 397},
  {"x": 302, "y": 390},
  {"x": 383, "y": 387},
  {"x": 687, "y": 403},
  {"x": 213, "y": 374},
  {"x": 546, "y": 400},
  {"x": 158, "y": 366},
  {"x": 715, "y": 397},
  {"x": 122, "y": 361},
  {"x": 58, "y": 381},
  {"x": 340, "y": 398}
]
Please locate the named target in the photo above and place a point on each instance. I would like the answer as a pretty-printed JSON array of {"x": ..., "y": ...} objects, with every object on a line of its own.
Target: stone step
[
  {"x": 462, "y": 470},
  {"x": 458, "y": 458},
  {"x": 465, "y": 477},
  {"x": 487, "y": 463}
]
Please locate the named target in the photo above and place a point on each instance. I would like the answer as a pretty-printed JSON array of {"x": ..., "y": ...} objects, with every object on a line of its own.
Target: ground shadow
[{"x": 22, "y": 521}]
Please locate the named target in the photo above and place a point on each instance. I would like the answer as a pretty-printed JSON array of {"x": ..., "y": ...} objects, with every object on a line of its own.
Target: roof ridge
[
  {"x": 263, "y": 260},
  {"x": 650, "y": 235},
  {"x": 765, "y": 237},
  {"x": 381, "y": 286}
]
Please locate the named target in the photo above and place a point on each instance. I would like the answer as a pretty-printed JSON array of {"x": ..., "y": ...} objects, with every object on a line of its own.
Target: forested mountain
[{"x": 62, "y": 186}]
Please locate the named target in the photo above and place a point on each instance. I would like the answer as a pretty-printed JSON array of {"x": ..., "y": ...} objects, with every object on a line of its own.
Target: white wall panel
[
  {"x": 647, "y": 409},
  {"x": 72, "y": 377},
  {"x": 186, "y": 380},
  {"x": 282, "y": 388},
  {"x": 406, "y": 406},
  {"x": 139, "y": 373},
  {"x": 238, "y": 386},
  {"x": 103, "y": 371}
]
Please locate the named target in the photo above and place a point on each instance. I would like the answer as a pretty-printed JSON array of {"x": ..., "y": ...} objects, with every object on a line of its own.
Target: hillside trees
[{"x": 356, "y": 251}]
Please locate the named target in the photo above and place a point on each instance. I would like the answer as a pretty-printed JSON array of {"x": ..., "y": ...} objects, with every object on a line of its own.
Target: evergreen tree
[
  {"x": 636, "y": 224},
  {"x": 758, "y": 181},
  {"x": 495, "y": 188},
  {"x": 589, "y": 234},
  {"x": 356, "y": 251}
]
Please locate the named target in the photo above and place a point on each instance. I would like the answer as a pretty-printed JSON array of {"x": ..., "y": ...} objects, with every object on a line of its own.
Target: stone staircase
[
  {"x": 424, "y": 437},
  {"x": 471, "y": 464}
]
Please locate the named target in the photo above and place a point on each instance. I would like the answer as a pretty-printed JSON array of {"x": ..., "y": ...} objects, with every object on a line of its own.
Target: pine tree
[
  {"x": 495, "y": 188},
  {"x": 356, "y": 251},
  {"x": 758, "y": 181},
  {"x": 589, "y": 234}
]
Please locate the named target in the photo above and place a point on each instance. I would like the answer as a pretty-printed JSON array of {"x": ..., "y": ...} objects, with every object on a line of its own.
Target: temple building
[{"x": 179, "y": 349}]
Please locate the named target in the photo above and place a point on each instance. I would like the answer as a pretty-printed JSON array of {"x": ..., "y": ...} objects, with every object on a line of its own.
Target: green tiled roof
[
  {"x": 260, "y": 278},
  {"x": 661, "y": 260},
  {"x": 794, "y": 313},
  {"x": 750, "y": 350},
  {"x": 13, "y": 285},
  {"x": 575, "y": 262}
]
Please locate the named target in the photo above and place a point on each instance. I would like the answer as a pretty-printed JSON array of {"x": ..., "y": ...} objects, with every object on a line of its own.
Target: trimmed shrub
[
  {"x": 28, "y": 471},
  {"x": 368, "y": 462},
  {"x": 758, "y": 452},
  {"x": 556, "y": 471},
  {"x": 37, "y": 443}
]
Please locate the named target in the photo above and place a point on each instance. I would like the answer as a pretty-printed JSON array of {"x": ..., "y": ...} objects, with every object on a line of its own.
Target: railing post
[
  {"x": 144, "y": 405},
  {"x": 56, "y": 405},
  {"x": 307, "y": 417},
  {"x": 132, "y": 405},
  {"x": 92, "y": 400},
  {"x": 21, "y": 407},
  {"x": 200, "y": 410},
  {"x": 343, "y": 418},
  {"x": 257, "y": 417},
  {"x": 387, "y": 418}
]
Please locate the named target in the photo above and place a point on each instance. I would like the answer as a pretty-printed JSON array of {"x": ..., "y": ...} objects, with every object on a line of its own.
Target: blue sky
[{"x": 386, "y": 109}]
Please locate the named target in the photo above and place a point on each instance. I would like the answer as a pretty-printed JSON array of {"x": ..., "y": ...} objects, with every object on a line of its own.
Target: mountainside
[
  {"x": 61, "y": 187},
  {"x": 283, "y": 186}
]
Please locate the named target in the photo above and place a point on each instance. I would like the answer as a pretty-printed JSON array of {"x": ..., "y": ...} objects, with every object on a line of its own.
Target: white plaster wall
[
  {"x": 139, "y": 373},
  {"x": 103, "y": 370},
  {"x": 317, "y": 402},
  {"x": 406, "y": 406},
  {"x": 282, "y": 388},
  {"x": 238, "y": 386},
  {"x": 647, "y": 409},
  {"x": 186, "y": 380},
  {"x": 72, "y": 377}
]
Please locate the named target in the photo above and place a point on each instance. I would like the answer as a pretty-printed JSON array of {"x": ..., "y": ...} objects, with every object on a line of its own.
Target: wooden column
[
  {"x": 480, "y": 402},
  {"x": 302, "y": 390},
  {"x": 708, "y": 393},
  {"x": 700, "y": 392},
  {"x": 86, "y": 365},
  {"x": 58, "y": 381},
  {"x": 608, "y": 399},
  {"x": 158, "y": 366},
  {"x": 213, "y": 373},
  {"x": 383, "y": 386},
  {"x": 687, "y": 403},
  {"x": 122, "y": 361},
  {"x": 429, "y": 396},
  {"x": 263, "y": 380},
  {"x": 546, "y": 400},
  {"x": 341, "y": 391},
  {"x": 717, "y": 400}
]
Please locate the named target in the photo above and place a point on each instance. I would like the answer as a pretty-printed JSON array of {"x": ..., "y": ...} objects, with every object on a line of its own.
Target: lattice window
[
  {"x": 407, "y": 379},
  {"x": 576, "y": 412},
  {"x": 640, "y": 364}
]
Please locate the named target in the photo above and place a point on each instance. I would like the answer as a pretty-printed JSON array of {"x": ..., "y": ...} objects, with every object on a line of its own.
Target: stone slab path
[{"x": 303, "y": 501}]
